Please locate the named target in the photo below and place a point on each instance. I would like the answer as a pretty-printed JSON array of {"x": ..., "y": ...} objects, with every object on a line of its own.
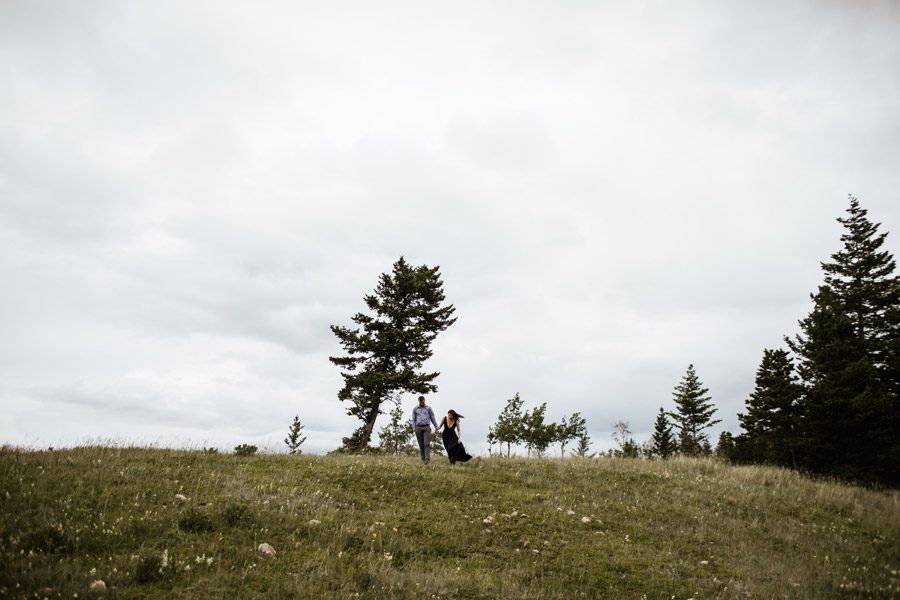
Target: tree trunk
[{"x": 368, "y": 427}]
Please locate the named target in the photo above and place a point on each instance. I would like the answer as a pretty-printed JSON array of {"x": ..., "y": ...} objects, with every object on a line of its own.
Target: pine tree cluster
[{"x": 830, "y": 406}]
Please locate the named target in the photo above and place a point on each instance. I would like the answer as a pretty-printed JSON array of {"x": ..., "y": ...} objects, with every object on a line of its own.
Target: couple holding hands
[{"x": 423, "y": 419}]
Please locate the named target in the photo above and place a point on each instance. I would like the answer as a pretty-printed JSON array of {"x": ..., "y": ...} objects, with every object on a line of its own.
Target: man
[{"x": 422, "y": 419}]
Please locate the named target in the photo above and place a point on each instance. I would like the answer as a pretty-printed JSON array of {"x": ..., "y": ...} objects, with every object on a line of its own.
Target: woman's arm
[
  {"x": 438, "y": 428},
  {"x": 458, "y": 431}
]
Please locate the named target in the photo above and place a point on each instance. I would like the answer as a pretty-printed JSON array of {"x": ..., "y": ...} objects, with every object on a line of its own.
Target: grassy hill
[{"x": 376, "y": 527}]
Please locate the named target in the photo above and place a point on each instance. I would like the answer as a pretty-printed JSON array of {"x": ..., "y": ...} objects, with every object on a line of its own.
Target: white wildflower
[
  {"x": 314, "y": 522},
  {"x": 266, "y": 549},
  {"x": 570, "y": 512},
  {"x": 585, "y": 519},
  {"x": 181, "y": 498},
  {"x": 98, "y": 585}
]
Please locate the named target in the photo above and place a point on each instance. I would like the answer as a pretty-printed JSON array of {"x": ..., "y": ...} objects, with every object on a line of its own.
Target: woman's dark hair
[{"x": 455, "y": 414}]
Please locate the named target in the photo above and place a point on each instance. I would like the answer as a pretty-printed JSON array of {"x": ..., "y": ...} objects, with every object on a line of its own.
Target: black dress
[{"x": 456, "y": 452}]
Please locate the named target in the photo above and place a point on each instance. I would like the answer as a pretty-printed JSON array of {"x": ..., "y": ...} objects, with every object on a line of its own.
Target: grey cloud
[{"x": 191, "y": 194}]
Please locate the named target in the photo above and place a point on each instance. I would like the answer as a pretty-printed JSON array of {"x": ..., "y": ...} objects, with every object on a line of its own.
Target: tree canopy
[{"x": 385, "y": 353}]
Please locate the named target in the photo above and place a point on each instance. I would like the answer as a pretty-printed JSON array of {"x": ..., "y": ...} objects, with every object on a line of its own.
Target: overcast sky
[{"x": 192, "y": 192}]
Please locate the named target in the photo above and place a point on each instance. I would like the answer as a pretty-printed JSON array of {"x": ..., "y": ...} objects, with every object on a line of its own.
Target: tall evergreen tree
[
  {"x": 846, "y": 421},
  {"x": 849, "y": 360},
  {"x": 508, "y": 428},
  {"x": 693, "y": 415},
  {"x": 662, "y": 442},
  {"x": 861, "y": 276},
  {"x": 771, "y": 421},
  {"x": 386, "y": 352},
  {"x": 295, "y": 437}
]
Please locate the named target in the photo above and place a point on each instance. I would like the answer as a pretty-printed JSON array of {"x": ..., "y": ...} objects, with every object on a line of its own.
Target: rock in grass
[
  {"x": 267, "y": 549},
  {"x": 98, "y": 585},
  {"x": 181, "y": 498}
]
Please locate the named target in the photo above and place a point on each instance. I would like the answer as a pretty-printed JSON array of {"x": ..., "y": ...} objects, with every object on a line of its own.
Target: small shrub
[
  {"x": 149, "y": 569},
  {"x": 244, "y": 450},
  {"x": 236, "y": 514},
  {"x": 49, "y": 539},
  {"x": 194, "y": 520},
  {"x": 210, "y": 450}
]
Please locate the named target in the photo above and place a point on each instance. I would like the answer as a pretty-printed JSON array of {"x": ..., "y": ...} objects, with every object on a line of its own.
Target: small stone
[
  {"x": 98, "y": 585},
  {"x": 181, "y": 498},
  {"x": 314, "y": 522},
  {"x": 266, "y": 549},
  {"x": 585, "y": 519}
]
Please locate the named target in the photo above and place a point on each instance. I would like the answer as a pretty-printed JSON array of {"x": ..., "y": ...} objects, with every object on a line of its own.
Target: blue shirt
[{"x": 421, "y": 415}]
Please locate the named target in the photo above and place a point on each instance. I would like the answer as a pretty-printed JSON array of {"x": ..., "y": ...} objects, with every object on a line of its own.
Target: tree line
[
  {"x": 826, "y": 403},
  {"x": 531, "y": 429}
]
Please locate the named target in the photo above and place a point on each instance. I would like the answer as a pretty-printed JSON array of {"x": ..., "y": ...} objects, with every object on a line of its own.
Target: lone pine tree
[
  {"x": 584, "y": 443},
  {"x": 693, "y": 414},
  {"x": 294, "y": 439},
  {"x": 386, "y": 352}
]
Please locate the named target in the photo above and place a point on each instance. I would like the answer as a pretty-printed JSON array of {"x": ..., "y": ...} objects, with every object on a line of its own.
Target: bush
[
  {"x": 49, "y": 539},
  {"x": 244, "y": 450},
  {"x": 236, "y": 514},
  {"x": 194, "y": 520},
  {"x": 149, "y": 569}
]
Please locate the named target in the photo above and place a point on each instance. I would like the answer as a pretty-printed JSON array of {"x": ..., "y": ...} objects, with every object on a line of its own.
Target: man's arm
[
  {"x": 431, "y": 416},
  {"x": 412, "y": 419}
]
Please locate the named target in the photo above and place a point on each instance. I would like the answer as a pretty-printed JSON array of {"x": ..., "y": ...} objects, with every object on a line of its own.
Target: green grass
[{"x": 378, "y": 527}]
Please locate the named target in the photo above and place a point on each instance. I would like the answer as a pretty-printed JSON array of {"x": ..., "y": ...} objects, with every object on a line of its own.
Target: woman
[{"x": 455, "y": 450}]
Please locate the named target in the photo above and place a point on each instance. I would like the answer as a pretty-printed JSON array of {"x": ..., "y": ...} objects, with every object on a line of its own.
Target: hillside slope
[{"x": 377, "y": 527}]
